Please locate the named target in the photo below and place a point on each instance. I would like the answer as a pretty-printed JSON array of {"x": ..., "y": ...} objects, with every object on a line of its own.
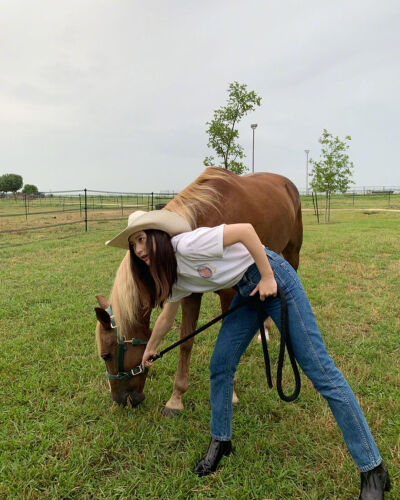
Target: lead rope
[
  {"x": 285, "y": 342},
  {"x": 255, "y": 303}
]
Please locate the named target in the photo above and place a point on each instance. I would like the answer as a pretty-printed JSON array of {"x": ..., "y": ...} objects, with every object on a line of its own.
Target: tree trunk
[
  {"x": 326, "y": 208},
  {"x": 329, "y": 207}
]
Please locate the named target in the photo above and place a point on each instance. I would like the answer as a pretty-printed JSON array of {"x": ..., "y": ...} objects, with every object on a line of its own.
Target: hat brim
[{"x": 163, "y": 220}]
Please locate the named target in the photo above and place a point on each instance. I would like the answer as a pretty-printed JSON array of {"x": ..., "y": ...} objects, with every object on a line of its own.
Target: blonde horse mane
[
  {"x": 201, "y": 195},
  {"x": 124, "y": 298}
]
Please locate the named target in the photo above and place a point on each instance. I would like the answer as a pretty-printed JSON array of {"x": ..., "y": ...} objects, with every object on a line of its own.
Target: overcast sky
[{"x": 116, "y": 94}]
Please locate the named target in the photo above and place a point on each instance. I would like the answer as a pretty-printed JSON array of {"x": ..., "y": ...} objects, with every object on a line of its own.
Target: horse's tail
[{"x": 292, "y": 250}]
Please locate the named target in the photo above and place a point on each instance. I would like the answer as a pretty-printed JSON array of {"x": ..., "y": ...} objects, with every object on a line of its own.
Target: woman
[{"x": 169, "y": 261}]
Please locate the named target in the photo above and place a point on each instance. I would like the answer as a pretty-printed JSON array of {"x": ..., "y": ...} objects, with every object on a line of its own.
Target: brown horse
[{"x": 269, "y": 202}]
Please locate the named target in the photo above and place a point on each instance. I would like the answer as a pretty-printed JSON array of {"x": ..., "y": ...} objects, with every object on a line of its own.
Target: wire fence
[
  {"x": 361, "y": 190},
  {"x": 58, "y": 208},
  {"x": 48, "y": 210},
  {"x": 361, "y": 199}
]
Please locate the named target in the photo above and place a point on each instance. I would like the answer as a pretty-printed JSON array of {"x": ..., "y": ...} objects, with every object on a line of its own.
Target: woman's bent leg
[{"x": 316, "y": 363}]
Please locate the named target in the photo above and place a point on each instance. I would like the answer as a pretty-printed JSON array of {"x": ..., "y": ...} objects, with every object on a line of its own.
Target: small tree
[
  {"x": 333, "y": 171},
  {"x": 30, "y": 189},
  {"x": 10, "y": 182},
  {"x": 222, "y": 132}
]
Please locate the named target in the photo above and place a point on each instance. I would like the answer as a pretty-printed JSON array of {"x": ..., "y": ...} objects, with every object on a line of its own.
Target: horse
[{"x": 270, "y": 202}]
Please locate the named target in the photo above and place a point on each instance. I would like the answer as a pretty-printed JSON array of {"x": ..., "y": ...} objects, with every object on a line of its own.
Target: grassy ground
[{"x": 60, "y": 437}]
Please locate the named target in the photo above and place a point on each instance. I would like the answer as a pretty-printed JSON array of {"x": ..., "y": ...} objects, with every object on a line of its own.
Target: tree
[
  {"x": 10, "y": 182},
  {"x": 222, "y": 132},
  {"x": 333, "y": 171},
  {"x": 30, "y": 189}
]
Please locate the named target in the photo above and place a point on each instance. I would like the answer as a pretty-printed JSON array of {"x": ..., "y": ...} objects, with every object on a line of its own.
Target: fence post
[
  {"x": 122, "y": 207},
  {"x": 152, "y": 194},
  {"x": 26, "y": 209},
  {"x": 85, "y": 210},
  {"x": 316, "y": 206},
  {"x": 80, "y": 206}
]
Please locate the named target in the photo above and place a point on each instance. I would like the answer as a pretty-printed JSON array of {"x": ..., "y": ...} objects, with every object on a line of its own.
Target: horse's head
[{"x": 121, "y": 356}]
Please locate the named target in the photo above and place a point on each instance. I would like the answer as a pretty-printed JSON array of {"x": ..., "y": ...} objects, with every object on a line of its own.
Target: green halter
[{"x": 122, "y": 347}]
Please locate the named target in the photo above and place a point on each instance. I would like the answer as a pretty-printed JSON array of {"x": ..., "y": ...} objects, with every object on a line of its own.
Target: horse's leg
[
  {"x": 226, "y": 297},
  {"x": 292, "y": 250},
  {"x": 190, "y": 314},
  {"x": 267, "y": 328}
]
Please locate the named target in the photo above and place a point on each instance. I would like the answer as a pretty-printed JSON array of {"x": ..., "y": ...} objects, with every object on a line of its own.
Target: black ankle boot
[
  {"x": 374, "y": 483},
  {"x": 215, "y": 452}
]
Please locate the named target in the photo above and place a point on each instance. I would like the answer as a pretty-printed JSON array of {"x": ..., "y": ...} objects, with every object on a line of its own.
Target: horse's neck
[
  {"x": 140, "y": 330},
  {"x": 131, "y": 320}
]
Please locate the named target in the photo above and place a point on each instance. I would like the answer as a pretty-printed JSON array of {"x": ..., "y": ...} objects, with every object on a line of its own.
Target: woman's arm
[
  {"x": 246, "y": 234},
  {"x": 162, "y": 325}
]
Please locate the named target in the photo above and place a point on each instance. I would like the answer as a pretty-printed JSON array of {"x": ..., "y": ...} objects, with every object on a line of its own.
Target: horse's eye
[{"x": 106, "y": 357}]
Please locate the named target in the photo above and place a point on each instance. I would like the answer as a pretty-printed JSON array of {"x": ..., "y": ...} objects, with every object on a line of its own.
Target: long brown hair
[{"x": 155, "y": 281}]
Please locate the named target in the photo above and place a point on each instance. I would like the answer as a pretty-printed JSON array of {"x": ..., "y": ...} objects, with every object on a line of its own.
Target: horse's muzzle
[{"x": 132, "y": 399}]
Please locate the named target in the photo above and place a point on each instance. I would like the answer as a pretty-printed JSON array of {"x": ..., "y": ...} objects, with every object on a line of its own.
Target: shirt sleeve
[
  {"x": 177, "y": 295},
  {"x": 204, "y": 243}
]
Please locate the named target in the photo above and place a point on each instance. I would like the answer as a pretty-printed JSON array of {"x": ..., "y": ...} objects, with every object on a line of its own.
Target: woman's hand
[
  {"x": 246, "y": 234},
  {"x": 146, "y": 361},
  {"x": 163, "y": 323},
  {"x": 266, "y": 287}
]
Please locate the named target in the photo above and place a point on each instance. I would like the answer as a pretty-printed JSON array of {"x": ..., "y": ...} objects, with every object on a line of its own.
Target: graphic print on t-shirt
[{"x": 205, "y": 271}]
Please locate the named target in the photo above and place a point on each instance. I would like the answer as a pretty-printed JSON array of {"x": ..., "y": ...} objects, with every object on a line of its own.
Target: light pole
[
  {"x": 306, "y": 152},
  {"x": 253, "y": 126}
]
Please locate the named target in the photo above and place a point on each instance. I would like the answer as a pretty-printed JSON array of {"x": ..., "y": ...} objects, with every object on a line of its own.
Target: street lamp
[
  {"x": 306, "y": 152},
  {"x": 253, "y": 126}
]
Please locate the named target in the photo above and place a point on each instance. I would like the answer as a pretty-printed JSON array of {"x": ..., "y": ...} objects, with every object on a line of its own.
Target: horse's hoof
[{"x": 170, "y": 412}]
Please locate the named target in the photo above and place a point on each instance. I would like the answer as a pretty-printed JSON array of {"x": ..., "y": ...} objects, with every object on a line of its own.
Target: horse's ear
[
  {"x": 103, "y": 317},
  {"x": 103, "y": 301}
]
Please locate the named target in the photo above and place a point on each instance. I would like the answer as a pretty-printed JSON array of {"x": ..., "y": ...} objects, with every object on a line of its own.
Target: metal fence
[
  {"x": 60, "y": 208},
  {"x": 361, "y": 190},
  {"x": 51, "y": 209}
]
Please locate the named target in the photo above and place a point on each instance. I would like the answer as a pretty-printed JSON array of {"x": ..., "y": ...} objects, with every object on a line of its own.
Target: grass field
[{"x": 60, "y": 437}]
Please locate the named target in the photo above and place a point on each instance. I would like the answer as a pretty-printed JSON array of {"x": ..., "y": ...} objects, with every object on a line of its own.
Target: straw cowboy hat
[{"x": 170, "y": 222}]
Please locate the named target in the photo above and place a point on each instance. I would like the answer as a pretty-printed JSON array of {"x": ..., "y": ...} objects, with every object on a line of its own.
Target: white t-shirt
[{"x": 204, "y": 265}]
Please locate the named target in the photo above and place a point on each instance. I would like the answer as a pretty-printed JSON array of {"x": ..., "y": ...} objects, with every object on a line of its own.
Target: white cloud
[{"x": 93, "y": 88}]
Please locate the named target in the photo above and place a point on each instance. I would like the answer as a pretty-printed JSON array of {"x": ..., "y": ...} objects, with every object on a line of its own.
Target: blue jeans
[{"x": 239, "y": 328}]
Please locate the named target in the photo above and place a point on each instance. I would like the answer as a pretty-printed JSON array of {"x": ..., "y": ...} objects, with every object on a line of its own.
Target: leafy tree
[
  {"x": 30, "y": 189},
  {"x": 333, "y": 171},
  {"x": 222, "y": 132},
  {"x": 10, "y": 182}
]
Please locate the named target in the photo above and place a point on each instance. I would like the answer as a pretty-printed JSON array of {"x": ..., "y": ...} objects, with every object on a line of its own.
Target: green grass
[{"x": 60, "y": 436}]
